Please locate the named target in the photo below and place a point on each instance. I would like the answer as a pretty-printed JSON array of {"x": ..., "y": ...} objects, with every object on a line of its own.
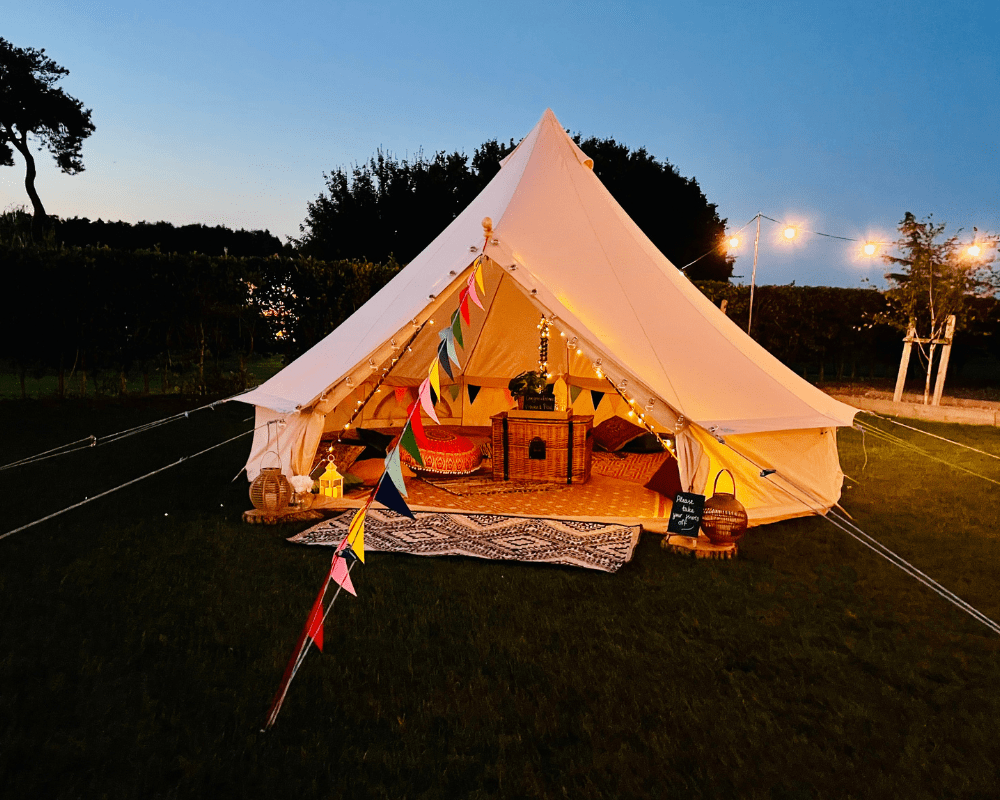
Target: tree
[
  {"x": 391, "y": 207},
  {"x": 33, "y": 110},
  {"x": 937, "y": 275},
  {"x": 938, "y": 278}
]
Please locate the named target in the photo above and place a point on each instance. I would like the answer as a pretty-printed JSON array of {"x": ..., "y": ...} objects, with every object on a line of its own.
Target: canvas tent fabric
[{"x": 561, "y": 246}]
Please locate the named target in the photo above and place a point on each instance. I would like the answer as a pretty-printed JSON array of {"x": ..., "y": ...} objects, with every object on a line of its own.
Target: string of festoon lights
[
  {"x": 869, "y": 247},
  {"x": 635, "y": 412}
]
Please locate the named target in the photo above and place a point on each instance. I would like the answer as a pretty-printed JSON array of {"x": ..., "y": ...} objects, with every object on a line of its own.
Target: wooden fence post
[
  {"x": 904, "y": 361},
  {"x": 949, "y": 335}
]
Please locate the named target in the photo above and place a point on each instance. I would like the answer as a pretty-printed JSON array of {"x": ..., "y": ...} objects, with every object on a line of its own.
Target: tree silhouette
[
  {"x": 33, "y": 110},
  {"x": 390, "y": 207}
]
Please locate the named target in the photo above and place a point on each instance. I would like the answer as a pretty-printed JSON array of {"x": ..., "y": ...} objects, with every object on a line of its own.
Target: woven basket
[
  {"x": 541, "y": 450},
  {"x": 270, "y": 491},
  {"x": 724, "y": 519}
]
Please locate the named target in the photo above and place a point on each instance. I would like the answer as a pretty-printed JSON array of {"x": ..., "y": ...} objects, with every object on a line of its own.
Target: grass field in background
[{"x": 145, "y": 633}]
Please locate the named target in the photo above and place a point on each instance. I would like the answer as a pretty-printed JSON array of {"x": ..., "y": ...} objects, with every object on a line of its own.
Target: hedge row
[{"x": 114, "y": 313}]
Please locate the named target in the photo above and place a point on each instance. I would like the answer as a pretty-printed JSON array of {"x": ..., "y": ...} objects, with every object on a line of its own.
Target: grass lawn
[{"x": 144, "y": 634}]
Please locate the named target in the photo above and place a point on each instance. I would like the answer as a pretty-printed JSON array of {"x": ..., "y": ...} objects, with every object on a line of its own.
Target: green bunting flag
[
  {"x": 456, "y": 328},
  {"x": 408, "y": 441},
  {"x": 454, "y": 390},
  {"x": 574, "y": 392}
]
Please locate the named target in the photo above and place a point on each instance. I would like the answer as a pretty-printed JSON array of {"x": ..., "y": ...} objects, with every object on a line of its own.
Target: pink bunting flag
[
  {"x": 400, "y": 392},
  {"x": 472, "y": 290},
  {"x": 341, "y": 575},
  {"x": 425, "y": 399}
]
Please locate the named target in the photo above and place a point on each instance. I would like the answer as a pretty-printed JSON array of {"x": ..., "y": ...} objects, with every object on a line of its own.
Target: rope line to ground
[
  {"x": 83, "y": 502},
  {"x": 95, "y": 441},
  {"x": 869, "y": 541},
  {"x": 932, "y": 435}
]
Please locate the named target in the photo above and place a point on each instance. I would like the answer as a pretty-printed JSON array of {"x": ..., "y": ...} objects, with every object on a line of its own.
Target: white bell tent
[{"x": 625, "y": 322}]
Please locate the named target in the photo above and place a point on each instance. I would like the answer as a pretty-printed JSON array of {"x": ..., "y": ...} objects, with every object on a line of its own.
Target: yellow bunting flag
[
  {"x": 435, "y": 376},
  {"x": 356, "y": 534},
  {"x": 479, "y": 278}
]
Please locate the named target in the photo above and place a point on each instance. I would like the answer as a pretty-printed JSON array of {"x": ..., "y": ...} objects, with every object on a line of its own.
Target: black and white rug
[{"x": 577, "y": 543}]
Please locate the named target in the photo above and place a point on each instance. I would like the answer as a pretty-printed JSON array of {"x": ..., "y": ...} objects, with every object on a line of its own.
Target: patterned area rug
[
  {"x": 575, "y": 543},
  {"x": 464, "y": 487},
  {"x": 635, "y": 467}
]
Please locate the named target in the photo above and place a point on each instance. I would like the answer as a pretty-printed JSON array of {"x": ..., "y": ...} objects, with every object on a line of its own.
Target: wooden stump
[
  {"x": 292, "y": 514},
  {"x": 698, "y": 547}
]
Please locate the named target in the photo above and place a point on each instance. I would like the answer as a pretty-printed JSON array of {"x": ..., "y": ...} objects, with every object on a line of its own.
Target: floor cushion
[
  {"x": 445, "y": 453},
  {"x": 615, "y": 432}
]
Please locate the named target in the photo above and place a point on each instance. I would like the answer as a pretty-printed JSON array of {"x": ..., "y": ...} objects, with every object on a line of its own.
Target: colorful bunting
[
  {"x": 509, "y": 397},
  {"x": 454, "y": 390},
  {"x": 400, "y": 394},
  {"x": 341, "y": 575},
  {"x": 596, "y": 397},
  {"x": 478, "y": 273},
  {"x": 387, "y": 495},
  {"x": 314, "y": 625},
  {"x": 444, "y": 360},
  {"x": 463, "y": 306},
  {"x": 395, "y": 471},
  {"x": 435, "y": 375},
  {"x": 452, "y": 353},
  {"x": 408, "y": 441},
  {"x": 574, "y": 392},
  {"x": 473, "y": 392},
  {"x": 413, "y": 414},
  {"x": 472, "y": 291},
  {"x": 456, "y": 328},
  {"x": 426, "y": 401}
]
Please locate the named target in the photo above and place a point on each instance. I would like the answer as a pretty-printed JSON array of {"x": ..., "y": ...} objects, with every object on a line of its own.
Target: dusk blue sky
[{"x": 836, "y": 116}]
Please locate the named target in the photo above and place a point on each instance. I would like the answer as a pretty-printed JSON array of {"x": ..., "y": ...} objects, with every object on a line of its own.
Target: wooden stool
[{"x": 699, "y": 547}]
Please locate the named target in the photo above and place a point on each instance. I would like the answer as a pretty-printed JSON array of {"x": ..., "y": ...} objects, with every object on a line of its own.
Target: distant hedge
[{"x": 109, "y": 314}]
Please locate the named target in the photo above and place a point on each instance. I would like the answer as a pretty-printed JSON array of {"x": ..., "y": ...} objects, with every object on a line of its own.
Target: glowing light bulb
[
  {"x": 974, "y": 250},
  {"x": 870, "y": 249},
  {"x": 734, "y": 241},
  {"x": 790, "y": 232}
]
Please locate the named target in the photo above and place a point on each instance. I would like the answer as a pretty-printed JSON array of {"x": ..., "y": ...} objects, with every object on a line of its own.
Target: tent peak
[{"x": 548, "y": 122}]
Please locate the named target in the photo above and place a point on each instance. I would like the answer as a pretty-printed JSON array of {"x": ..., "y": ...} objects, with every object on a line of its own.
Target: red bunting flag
[
  {"x": 417, "y": 424},
  {"x": 464, "y": 308},
  {"x": 400, "y": 395}
]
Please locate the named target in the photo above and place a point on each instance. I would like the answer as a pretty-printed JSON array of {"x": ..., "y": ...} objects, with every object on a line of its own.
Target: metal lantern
[
  {"x": 270, "y": 491},
  {"x": 725, "y": 519},
  {"x": 331, "y": 482}
]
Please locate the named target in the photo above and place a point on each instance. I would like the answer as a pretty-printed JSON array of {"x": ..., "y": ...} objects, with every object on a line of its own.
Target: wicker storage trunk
[{"x": 545, "y": 450}]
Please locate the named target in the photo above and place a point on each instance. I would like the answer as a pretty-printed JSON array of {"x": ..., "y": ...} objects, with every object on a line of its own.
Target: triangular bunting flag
[
  {"x": 472, "y": 291},
  {"x": 509, "y": 397},
  {"x": 456, "y": 328},
  {"x": 596, "y": 398},
  {"x": 452, "y": 353},
  {"x": 417, "y": 424},
  {"x": 463, "y": 306},
  {"x": 473, "y": 392},
  {"x": 341, "y": 575},
  {"x": 427, "y": 401},
  {"x": 444, "y": 360},
  {"x": 478, "y": 273},
  {"x": 314, "y": 625},
  {"x": 408, "y": 441},
  {"x": 394, "y": 471},
  {"x": 454, "y": 390},
  {"x": 574, "y": 392},
  {"x": 435, "y": 375},
  {"x": 400, "y": 392},
  {"x": 387, "y": 495}
]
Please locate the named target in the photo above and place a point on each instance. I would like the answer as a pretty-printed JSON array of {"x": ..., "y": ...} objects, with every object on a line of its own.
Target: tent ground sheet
[{"x": 578, "y": 543}]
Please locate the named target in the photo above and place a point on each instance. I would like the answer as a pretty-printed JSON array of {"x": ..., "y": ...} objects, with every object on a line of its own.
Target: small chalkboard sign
[{"x": 685, "y": 516}]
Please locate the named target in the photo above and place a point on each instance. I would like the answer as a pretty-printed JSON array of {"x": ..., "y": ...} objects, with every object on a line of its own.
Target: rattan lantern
[
  {"x": 725, "y": 519},
  {"x": 270, "y": 491},
  {"x": 331, "y": 482}
]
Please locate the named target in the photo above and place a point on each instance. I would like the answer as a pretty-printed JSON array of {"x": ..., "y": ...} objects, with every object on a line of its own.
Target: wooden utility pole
[{"x": 904, "y": 362}]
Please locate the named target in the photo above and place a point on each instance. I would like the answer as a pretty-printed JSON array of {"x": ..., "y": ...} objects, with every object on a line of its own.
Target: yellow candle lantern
[{"x": 331, "y": 482}]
